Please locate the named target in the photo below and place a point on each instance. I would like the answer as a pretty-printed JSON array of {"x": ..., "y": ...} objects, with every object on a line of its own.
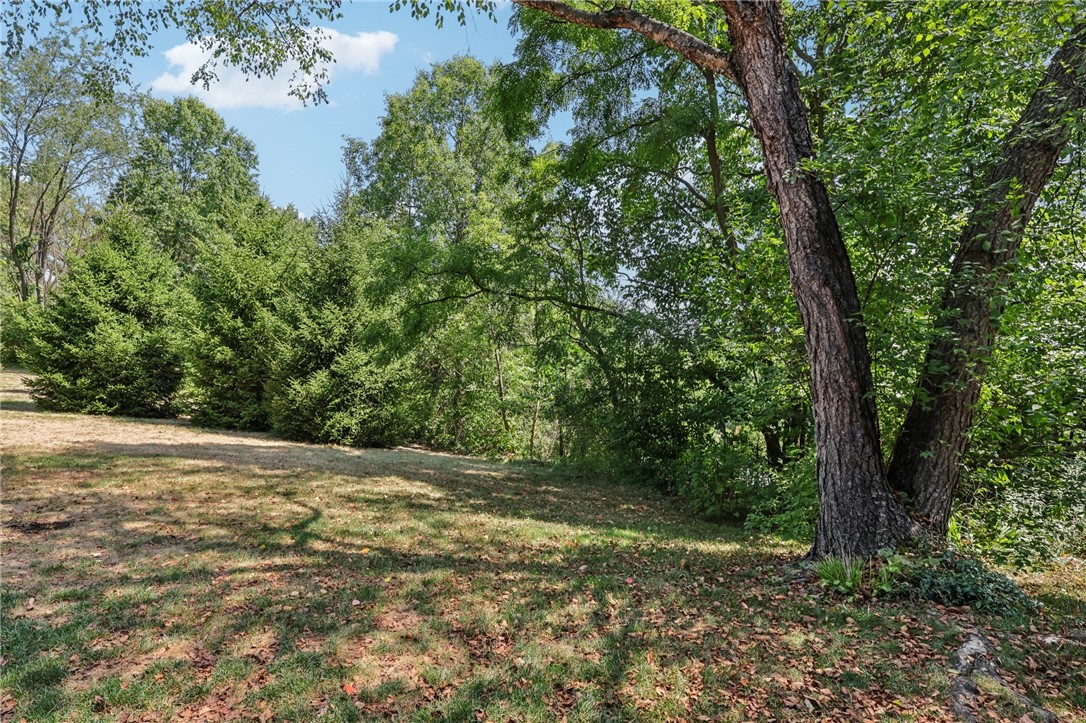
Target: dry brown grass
[{"x": 157, "y": 571}]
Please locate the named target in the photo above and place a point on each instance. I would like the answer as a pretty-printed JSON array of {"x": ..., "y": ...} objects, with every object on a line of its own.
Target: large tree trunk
[
  {"x": 926, "y": 462},
  {"x": 858, "y": 513},
  {"x": 859, "y": 510}
]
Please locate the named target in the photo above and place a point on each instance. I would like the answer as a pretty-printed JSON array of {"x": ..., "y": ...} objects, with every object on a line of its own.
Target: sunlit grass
[{"x": 230, "y": 577}]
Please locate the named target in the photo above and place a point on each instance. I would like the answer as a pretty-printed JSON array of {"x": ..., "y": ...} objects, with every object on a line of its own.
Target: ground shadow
[
  {"x": 205, "y": 577},
  {"x": 468, "y": 484}
]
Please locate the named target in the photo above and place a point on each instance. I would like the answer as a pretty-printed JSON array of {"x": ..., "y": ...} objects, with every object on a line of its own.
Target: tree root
[{"x": 974, "y": 661}]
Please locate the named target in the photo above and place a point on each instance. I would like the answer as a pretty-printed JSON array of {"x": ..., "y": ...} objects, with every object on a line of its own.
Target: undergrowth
[{"x": 947, "y": 577}]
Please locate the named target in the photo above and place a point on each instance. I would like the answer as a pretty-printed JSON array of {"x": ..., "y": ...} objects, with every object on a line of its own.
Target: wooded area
[
  {"x": 811, "y": 269},
  {"x": 618, "y": 302}
]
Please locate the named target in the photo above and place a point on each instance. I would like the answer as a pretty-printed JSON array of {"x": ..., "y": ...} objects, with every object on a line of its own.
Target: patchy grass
[{"x": 153, "y": 571}]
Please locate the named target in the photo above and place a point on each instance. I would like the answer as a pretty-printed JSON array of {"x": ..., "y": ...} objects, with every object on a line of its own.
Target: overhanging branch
[{"x": 694, "y": 49}]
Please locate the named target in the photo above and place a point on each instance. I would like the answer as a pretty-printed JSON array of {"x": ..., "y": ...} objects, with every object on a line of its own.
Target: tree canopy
[{"x": 791, "y": 262}]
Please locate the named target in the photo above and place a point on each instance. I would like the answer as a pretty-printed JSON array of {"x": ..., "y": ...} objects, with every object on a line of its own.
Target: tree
[
  {"x": 927, "y": 457},
  {"x": 62, "y": 145},
  {"x": 189, "y": 175},
  {"x": 334, "y": 377},
  {"x": 110, "y": 343},
  {"x": 442, "y": 175},
  {"x": 659, "y": 192},
  {"x": 859, "y": 511},
  {"x": 238, "y": 278}
]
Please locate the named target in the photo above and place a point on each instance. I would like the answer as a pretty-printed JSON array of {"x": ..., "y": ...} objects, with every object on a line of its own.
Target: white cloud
[{"x": 353, "y": 53}]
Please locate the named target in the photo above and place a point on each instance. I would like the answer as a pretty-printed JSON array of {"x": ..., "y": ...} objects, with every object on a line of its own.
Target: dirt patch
[
  {"x": 127, "y": 666},
  {"x": 31, "y": 527},
  {"x": 400, "y": 619},
  {"x": 262, "y": 646}
]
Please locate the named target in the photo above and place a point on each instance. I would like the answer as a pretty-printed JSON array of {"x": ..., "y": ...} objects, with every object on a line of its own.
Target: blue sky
[{"x": 378, "y": 52}]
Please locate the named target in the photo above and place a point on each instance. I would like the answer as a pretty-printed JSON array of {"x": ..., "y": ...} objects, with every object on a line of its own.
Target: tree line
[{"x": 813, "y": 268}]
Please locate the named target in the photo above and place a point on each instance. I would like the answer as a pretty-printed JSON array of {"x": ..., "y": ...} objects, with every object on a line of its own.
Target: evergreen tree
[{"x": 111, "y": 341}]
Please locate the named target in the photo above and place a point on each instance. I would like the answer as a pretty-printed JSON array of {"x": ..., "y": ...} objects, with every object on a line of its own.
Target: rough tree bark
[
  {"x": 858, "y": 512},
  {"x": 926, "y": 462}
]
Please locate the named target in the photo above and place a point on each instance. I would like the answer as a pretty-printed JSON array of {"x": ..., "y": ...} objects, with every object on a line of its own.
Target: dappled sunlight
[{"x": 214, "y": 573}]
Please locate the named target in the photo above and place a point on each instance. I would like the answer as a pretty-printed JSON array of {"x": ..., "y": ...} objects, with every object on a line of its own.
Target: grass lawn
[{"x": 155, "y": 571}]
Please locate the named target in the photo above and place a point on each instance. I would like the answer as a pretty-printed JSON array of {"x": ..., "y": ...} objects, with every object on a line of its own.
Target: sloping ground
[{"x": 155, "y": 571}]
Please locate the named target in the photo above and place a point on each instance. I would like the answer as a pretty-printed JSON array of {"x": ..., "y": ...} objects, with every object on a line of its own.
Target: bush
[
  {"x": 333, "y": 381},
  {"x": 949, "y": 578},
  {"x": 352, "y": 402},
  {"x": 17, "y": 320},
  {"x": 722, "y": 479},
  {"x": 1028, "y": 515},
  {"x": 110, "y": 342},
  {"x": 954, "y": 579},
  {"x": 240, "y": 280},
  {"x": 790, "y": 507}
]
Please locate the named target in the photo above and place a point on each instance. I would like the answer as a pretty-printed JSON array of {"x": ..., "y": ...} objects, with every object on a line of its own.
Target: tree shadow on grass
[
  {"x": 456, "y": 484},
  {"x": 430, "y": 585},
  {"x": 172, "y": 561}
]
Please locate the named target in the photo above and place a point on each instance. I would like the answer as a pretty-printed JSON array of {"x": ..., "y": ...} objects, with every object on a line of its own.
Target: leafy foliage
[
  {"x": 333, "y": 379},
  {"x": 947, "y": 577},
  {"x": 260, "y": 38},
  {"x": 954, "y": 579},
  {"x": 111, "y": 341},
  {"x": 190, "y": 174},
  {"x": 16, "y": 327},
  {"x": 62, "y": 144},
  {"x": 239, "y": 278},
  {"x": 788, "y": 508}
]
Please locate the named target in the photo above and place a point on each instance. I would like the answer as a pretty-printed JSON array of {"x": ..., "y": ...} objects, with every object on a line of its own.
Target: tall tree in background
[
  {"x": 239, "y": 275},
  {"x": 189, "y": 174},
  {"x": 442, "y": 175},
  {"x": 859, "y": 511},
  {"x": 112, "y": 341},
  {"x": 63, "y": 144}
]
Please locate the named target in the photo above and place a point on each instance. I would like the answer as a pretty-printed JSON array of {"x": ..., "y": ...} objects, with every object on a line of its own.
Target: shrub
[
  {"x": 954, "y": 579},
  {"x": 333, "y": 381},
  {"x": 1027, "y": 515},
  {"x": 239, "y": 281},
  {"x": 351, "y": 402},
  {"x": 110, "y": 342},
  {"x": 949, "y": 578},
  {"x": 721, "y": 478},
  {"x": 17, "y": 320},
  {"x": 790, "y": 507}
]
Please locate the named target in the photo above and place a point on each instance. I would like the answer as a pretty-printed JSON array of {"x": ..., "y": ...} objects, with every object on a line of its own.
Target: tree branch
[{"x": 694, "y": 49}]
